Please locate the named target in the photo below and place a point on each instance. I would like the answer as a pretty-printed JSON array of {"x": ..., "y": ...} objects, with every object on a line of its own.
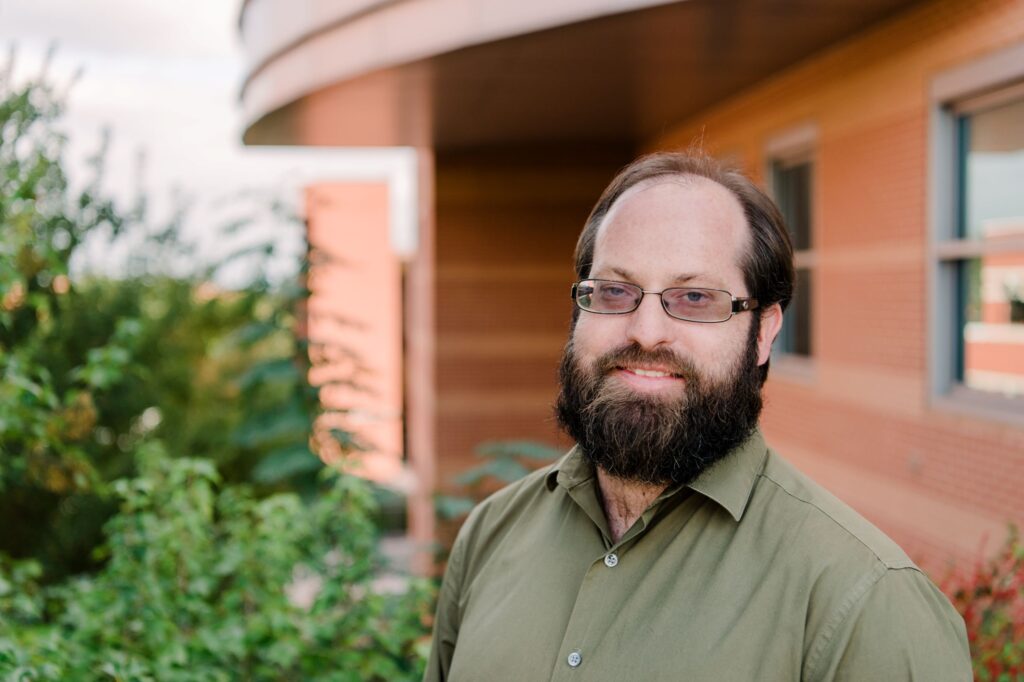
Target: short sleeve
[{"x": 901, "y": 628}]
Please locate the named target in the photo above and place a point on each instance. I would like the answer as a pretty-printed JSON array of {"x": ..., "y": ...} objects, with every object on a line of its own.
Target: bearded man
[{"x": 671, "y": 542}]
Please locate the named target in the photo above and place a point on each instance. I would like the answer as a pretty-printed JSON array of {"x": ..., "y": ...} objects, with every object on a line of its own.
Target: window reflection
[
  {"x": 993, "y": 329},
  {"x": 993, "y": 172},
  {"x": 992, "y": 285}
]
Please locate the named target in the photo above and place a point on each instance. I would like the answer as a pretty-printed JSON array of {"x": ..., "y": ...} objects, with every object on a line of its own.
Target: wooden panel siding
[{"x": 507, "y": 223}]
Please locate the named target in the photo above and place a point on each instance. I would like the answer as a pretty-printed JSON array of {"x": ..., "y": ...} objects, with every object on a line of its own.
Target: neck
[{"x": 624, "y": 501}]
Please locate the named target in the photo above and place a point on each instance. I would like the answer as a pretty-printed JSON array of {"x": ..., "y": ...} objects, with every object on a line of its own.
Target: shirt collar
[
  {"x": 571, "y": 470},
  {"x": 729, "y": 482}
]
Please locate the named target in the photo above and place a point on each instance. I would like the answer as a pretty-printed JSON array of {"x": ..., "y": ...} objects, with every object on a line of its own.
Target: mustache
[{"x": 635, "y": 354}]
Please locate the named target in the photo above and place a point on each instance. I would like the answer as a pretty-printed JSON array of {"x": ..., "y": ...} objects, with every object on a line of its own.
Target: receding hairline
[{"x": 685, "y": 179}]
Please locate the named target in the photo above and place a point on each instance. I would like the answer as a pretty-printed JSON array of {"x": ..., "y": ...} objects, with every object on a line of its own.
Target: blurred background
[{"x": 273, "y": 233}]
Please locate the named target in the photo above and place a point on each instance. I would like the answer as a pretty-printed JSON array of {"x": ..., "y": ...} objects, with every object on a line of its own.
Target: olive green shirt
[{"x": 753, "y": 572}]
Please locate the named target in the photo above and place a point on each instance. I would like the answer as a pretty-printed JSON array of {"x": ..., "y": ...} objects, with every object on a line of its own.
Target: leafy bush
[
  {"x": 110, "y": 388},
  {"x": 47, "y": 413},
  {"x": 94, "y": 366},
  {"x": 203, "y": 583},
  {"x": 991, "y": 600}
]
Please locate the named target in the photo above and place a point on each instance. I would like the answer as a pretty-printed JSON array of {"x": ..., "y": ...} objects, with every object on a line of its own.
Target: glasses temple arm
[{"x": 741, "y": 304}]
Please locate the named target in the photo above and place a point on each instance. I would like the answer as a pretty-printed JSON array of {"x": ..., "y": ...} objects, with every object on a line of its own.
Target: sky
[{"x": 164, "y": 78}]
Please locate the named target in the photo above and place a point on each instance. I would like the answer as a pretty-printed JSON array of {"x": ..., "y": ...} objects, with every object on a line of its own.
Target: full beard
[{"x": 651, "y": 439}]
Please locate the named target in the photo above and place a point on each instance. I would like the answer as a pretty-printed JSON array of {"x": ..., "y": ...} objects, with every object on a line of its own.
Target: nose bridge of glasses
[
  {"x": 662, "y": 301},
  {"x": 649, "y": 323},
  {"x": 657, "y": 308}
]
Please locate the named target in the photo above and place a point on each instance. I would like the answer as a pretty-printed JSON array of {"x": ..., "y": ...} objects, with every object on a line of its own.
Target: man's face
[{"x": 649, "y": 397}]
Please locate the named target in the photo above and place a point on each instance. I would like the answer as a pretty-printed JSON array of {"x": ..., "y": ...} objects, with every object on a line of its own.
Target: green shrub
[
  {"x": 201, "y": 583},
  {"x": 93, "y": 366},
  {"x": 110, "y": 389}
]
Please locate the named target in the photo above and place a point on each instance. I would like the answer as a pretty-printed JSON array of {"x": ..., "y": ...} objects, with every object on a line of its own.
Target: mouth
[
  {"x": 646, "y": 371},
  {"x": 650, "y": 373},
  {"x": 646, "y": 379}
]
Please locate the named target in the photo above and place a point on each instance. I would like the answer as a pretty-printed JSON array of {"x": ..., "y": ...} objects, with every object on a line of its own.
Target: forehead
[{"x": 673, "y": 229}]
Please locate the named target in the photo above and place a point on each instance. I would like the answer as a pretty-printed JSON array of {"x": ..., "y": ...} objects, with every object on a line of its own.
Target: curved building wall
[{"x": 297, "y": 47}]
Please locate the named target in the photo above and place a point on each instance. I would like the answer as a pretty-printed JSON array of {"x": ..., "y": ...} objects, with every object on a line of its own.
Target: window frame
[
  {"x": 973, "y": 86},
  {"x": 793, "y": 146}
]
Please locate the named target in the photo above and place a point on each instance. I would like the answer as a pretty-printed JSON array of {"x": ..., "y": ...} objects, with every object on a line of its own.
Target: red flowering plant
[{"x": 991, "y": 600}]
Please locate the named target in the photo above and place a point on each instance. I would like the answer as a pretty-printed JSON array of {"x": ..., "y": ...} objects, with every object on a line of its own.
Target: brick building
[{"x": 891, "y": 133}]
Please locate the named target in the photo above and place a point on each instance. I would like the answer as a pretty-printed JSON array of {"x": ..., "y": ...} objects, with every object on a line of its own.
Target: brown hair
[{"x": 768, "y": 263}]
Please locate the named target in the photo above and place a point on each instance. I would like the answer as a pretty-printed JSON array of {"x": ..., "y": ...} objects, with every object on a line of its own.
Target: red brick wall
[{"x": 862, "y": 420}]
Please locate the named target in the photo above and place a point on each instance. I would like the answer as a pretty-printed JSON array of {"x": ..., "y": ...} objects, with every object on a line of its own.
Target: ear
[{"x": 771, "y": 323}]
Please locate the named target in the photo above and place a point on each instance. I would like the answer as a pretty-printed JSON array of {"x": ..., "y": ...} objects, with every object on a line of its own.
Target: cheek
[
  {"x": 719, "y": 351},
  {"x": 595, "y": 335}
]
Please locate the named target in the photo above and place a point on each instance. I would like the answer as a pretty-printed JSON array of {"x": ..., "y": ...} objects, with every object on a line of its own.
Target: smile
[
  {"x": 643, "y": 378},
  {"x": 649, "y": 372}
]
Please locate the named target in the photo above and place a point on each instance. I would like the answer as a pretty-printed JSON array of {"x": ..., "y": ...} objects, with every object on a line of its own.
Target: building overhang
[{"x": 459, "y": 74}]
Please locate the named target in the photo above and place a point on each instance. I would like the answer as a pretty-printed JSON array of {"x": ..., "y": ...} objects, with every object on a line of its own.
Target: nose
[{"x": 649, "y": 325}]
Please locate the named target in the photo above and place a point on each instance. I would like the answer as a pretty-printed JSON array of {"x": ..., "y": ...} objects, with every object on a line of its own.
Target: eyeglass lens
[{"x": 603, "y": 296}]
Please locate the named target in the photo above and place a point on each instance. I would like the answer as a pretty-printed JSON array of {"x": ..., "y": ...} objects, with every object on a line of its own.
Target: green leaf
[
  {"x": 271, "y": 428},
  {"x": 504, "y": 470},
  {"x": 452, "y": 507},
  {"x": 285, "y": 463},
  {"x": 277, "y": 370},
  {"x": 349, "y": 441},
  {"x": 518, "y": 448},
  {"x": 255, "y": 332}
]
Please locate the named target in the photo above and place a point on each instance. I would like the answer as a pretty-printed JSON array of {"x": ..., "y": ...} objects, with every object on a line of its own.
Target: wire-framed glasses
[{"x": 693, "y": 304}]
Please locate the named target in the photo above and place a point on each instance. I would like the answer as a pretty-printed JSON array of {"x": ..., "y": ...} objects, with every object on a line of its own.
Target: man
[{"x": 671, "y": 543}]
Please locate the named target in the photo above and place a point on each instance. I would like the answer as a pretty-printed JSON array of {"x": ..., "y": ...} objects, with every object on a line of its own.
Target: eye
[
  {"x": 689, "y": 299},
  {"x": 615, "y": 296},
  {"x": 697, "y": 297},
  {"x": 614, "y": 291}
]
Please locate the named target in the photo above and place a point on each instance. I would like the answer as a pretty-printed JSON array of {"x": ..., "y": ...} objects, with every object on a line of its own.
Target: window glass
[
  {"x": 791, "y": 185},
  {"x": 795, "y": 335},
  {"x": 990, "y": 298},
  {"x": 992, "y": 331},
  {"x": 992, "y": 168}
]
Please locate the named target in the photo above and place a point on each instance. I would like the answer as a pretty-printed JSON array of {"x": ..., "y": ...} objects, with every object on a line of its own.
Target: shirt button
[
  {"x": 611, "y": 560},
  {"x": 575, "y": 658}
]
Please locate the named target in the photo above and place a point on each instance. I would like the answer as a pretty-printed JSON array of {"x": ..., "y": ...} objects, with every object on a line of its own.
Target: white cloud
[
  {"x": 181, "y": 28},
  {"x": 164, "y": 77}
]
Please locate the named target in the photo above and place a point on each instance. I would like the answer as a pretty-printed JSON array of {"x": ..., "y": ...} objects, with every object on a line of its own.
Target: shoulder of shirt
[
  {"x": 852, "y": 533},
  {"x": 508, "y": 500}
]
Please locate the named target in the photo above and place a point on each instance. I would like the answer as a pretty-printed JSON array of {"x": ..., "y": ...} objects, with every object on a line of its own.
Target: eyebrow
[{"x": 681, "y": 278}]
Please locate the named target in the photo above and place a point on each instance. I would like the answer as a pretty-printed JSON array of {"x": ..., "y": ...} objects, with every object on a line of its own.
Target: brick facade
[
  {"x": 487, "y": 306},
  {"x": 863, "y": 420}
]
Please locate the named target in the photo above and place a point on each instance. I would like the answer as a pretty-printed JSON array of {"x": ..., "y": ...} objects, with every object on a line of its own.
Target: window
[
  {"x": 791, "y": 183},
  {"x": 986, "y": 250},
  {"x": 977, "y": 206}
]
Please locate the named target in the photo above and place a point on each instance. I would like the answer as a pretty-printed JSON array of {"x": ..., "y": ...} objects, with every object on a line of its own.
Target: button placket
[{"x": 590, "y": 599}]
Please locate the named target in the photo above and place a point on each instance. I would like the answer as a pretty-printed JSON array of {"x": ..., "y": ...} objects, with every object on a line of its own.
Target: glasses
[{"x": 606, "y": 297}]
